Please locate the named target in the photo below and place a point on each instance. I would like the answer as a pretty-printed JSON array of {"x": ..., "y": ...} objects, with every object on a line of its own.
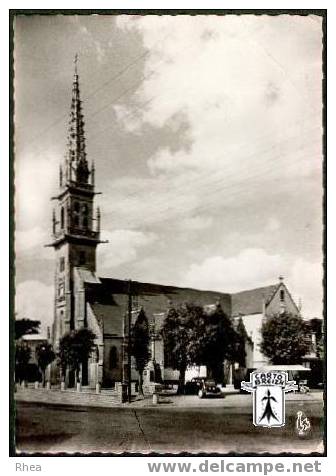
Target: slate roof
[
  {"x": 110, "y": 316},
  {"x": 251, "y": 301},
  {"x": 109, "y": 301},
  {"x": 87, "y": 276}
]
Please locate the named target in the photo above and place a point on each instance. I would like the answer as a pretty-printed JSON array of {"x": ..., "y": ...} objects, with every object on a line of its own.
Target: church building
[{"x": 84, "y": 299}]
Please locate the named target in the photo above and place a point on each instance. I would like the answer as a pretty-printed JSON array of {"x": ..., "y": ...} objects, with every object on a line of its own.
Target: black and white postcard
[{"x": 168, "y": 170}]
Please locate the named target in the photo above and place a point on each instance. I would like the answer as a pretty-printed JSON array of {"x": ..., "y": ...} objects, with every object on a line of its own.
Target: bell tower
[{"x": 75, "y": 223}]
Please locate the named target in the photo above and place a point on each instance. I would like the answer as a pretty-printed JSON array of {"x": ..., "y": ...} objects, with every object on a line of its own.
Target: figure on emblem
[{"x": 268, "y": 413}]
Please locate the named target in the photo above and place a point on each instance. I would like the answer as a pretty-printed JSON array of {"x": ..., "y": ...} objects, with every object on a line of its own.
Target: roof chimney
[{"x": 281, "y": 278}]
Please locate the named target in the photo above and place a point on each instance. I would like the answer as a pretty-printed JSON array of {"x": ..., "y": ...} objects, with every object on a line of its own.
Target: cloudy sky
[{"x": 206, "y": 133}]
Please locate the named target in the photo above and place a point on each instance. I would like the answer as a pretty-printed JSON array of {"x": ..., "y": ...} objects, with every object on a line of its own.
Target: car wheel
[{"x": 200, "y": 394}]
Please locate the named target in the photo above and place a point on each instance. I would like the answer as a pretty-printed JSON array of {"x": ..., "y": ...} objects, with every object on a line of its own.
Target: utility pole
[
  {"x": 154, "y": 338},
  {"x": 124, "y": 364},
  {"x": 129, "y": 347}
]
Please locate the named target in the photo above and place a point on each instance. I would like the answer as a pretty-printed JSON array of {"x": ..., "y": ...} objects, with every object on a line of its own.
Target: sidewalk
[
  {"x": 87, "y": 397},
  {"x": 110, "y": 399}
]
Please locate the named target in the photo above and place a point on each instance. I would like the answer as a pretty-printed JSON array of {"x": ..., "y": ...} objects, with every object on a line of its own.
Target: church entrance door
[
  {"x": 71, "y": 378},
  {"x": 85, "y": 373}
]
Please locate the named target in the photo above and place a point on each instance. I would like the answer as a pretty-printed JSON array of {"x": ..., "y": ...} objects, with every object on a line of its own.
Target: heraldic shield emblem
[{"x": 268, "y": 389}]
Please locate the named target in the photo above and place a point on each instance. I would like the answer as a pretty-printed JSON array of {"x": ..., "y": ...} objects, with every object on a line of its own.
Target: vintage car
[
  {"x": 192, "y": 387},
  {"x": 209, "y": 388}
]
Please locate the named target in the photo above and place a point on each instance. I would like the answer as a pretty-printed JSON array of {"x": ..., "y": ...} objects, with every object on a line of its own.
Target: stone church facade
[{"x": 83, "y": 299}]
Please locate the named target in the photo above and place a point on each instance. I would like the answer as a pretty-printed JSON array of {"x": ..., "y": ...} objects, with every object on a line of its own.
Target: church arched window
[
  {"x": 85, "y": 210},
  {"x": 82, "y": 258},
  {"x": 61, "y": 264},
  {"x": 113, "y": 360},
  {"x": 61, "y": 323},
  {"x": 76, "y": 212},
  {"x": 62, "y": 218}
]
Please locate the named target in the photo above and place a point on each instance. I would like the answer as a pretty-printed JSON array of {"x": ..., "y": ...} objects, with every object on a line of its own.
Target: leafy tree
[
  {"x": 26, "y": 326},
  {"x": 213, "y": 340},
  {"x": 241, "y": 339},
  {"x": 45, "y": 355},
  {"x": 140, "y": 346},
  {"x": 320, "y": 348},
  {"x": 193, "y": 336},
  {"x": 176, "y": 333},
  {"x": 284, "y": 339},
  {"x": 316, "y": 326},
  {"x": 65, "y": 354},
  {"x": 22, "y": 357},
  {"x": 75, "y": 349}
]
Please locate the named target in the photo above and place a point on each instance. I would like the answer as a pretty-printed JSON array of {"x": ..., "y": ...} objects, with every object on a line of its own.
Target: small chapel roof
[{"x": 252, "y": 300}]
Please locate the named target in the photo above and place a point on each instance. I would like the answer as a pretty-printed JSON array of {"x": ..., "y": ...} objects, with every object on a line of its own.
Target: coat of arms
[{"x": 269, "y": 390}]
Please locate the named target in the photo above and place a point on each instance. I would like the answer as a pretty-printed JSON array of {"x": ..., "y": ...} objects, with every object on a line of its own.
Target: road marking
[{"x": 143, "y": 433}]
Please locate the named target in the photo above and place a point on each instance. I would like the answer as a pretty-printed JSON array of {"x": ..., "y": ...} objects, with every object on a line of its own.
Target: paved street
[{"x": 191, "y": 425}]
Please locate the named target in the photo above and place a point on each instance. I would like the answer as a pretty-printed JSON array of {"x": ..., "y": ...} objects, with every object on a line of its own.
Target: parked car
[
  {"x": 209, "y": 388},
  {"x": 192, "y": 387}
]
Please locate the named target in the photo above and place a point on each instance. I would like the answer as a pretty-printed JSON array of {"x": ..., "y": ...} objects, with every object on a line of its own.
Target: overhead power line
[
  {"x": 93, "y": 93},
  {"x": 157, "y": 209}
]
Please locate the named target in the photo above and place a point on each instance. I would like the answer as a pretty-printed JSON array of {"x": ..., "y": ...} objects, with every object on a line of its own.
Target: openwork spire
[{"x": 78, "y": 169}]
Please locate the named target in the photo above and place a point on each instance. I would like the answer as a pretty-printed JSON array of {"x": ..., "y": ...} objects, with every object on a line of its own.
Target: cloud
[
  {"x": 250, "y": 95},
  {"x": 35, "y": 181},
  {"x": 225, "y": 89},
  {"x": 31, "y": 243},
  {"x": 252, "y": 108},
  {"x": 138, "y": 202},
  {"x": 309, "y": 290},
  {"x": 123, "y": 246},
  {"x": 35, "y": 184},
  {"x": 254, "y": 267},
  {"x": 34, "y": 300},
  {"x": 88, "y": 39},
  {"x": 271, "y": 93},
  {"x": 273, "y": 224},
  {"x": 194, "y": 223}
]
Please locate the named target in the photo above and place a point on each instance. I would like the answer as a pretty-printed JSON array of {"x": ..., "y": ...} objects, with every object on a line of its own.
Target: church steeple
[
  {"x": 75, "y": 223},
  {"x": 77, "y": 165},
  {"x": 74, "y": 219}
]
